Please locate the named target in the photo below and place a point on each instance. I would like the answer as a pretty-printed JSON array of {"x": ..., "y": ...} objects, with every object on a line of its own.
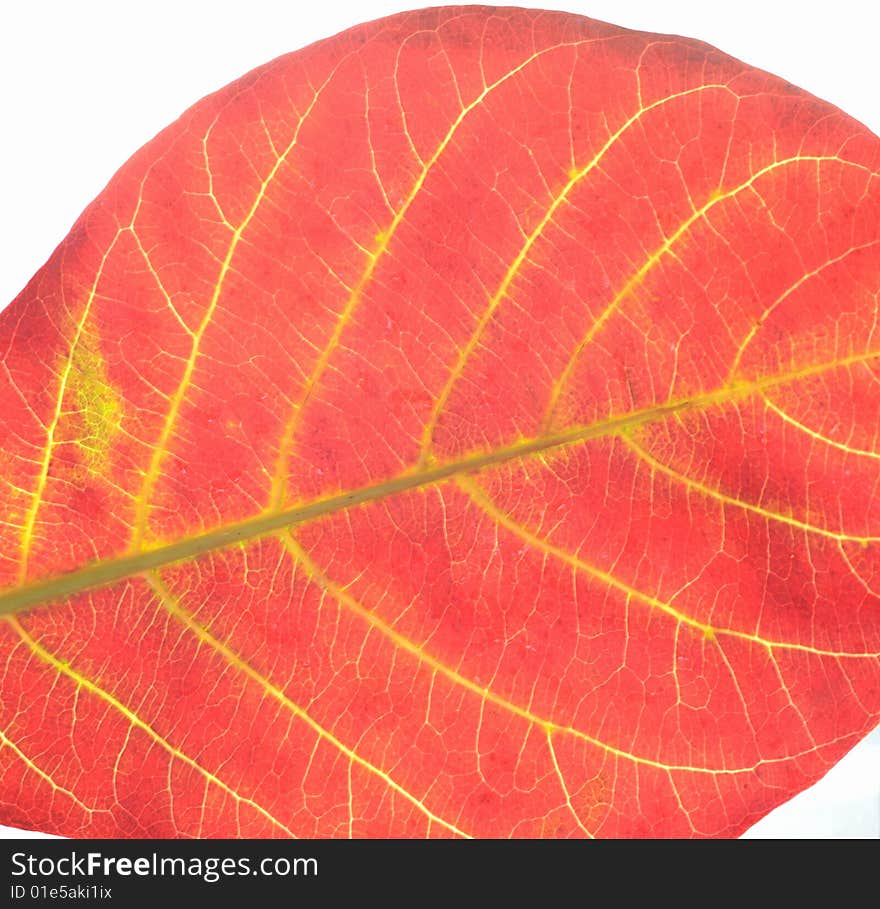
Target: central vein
[{"x": 103, "y": 573}]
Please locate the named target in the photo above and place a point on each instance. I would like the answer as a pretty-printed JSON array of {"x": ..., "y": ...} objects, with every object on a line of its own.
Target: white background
[{"x": 83, "y": 85}]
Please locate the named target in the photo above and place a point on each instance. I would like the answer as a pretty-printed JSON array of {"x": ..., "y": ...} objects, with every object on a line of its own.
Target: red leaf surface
[{"x": 466, "y": 425}]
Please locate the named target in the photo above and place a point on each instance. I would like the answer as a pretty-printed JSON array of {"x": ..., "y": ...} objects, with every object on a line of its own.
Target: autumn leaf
[{"x": 465, "y": 426}]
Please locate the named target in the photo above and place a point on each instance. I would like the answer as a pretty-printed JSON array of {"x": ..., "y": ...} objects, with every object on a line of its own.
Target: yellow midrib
[{"x": 102, "y": 573}]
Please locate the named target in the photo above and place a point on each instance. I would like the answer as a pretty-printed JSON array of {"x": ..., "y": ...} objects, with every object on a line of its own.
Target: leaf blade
[{"x": 194, "y": 396}]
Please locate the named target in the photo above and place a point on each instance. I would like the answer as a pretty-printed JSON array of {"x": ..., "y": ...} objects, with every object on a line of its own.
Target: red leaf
[{"x": 466, "y": 425}]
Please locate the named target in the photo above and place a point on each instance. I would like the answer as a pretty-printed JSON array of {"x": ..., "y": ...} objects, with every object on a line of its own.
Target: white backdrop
[{"x": 83, "y": 85}]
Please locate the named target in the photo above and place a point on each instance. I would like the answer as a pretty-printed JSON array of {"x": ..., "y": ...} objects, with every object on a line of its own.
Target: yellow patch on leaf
[{"x": 97, "y": 403}]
